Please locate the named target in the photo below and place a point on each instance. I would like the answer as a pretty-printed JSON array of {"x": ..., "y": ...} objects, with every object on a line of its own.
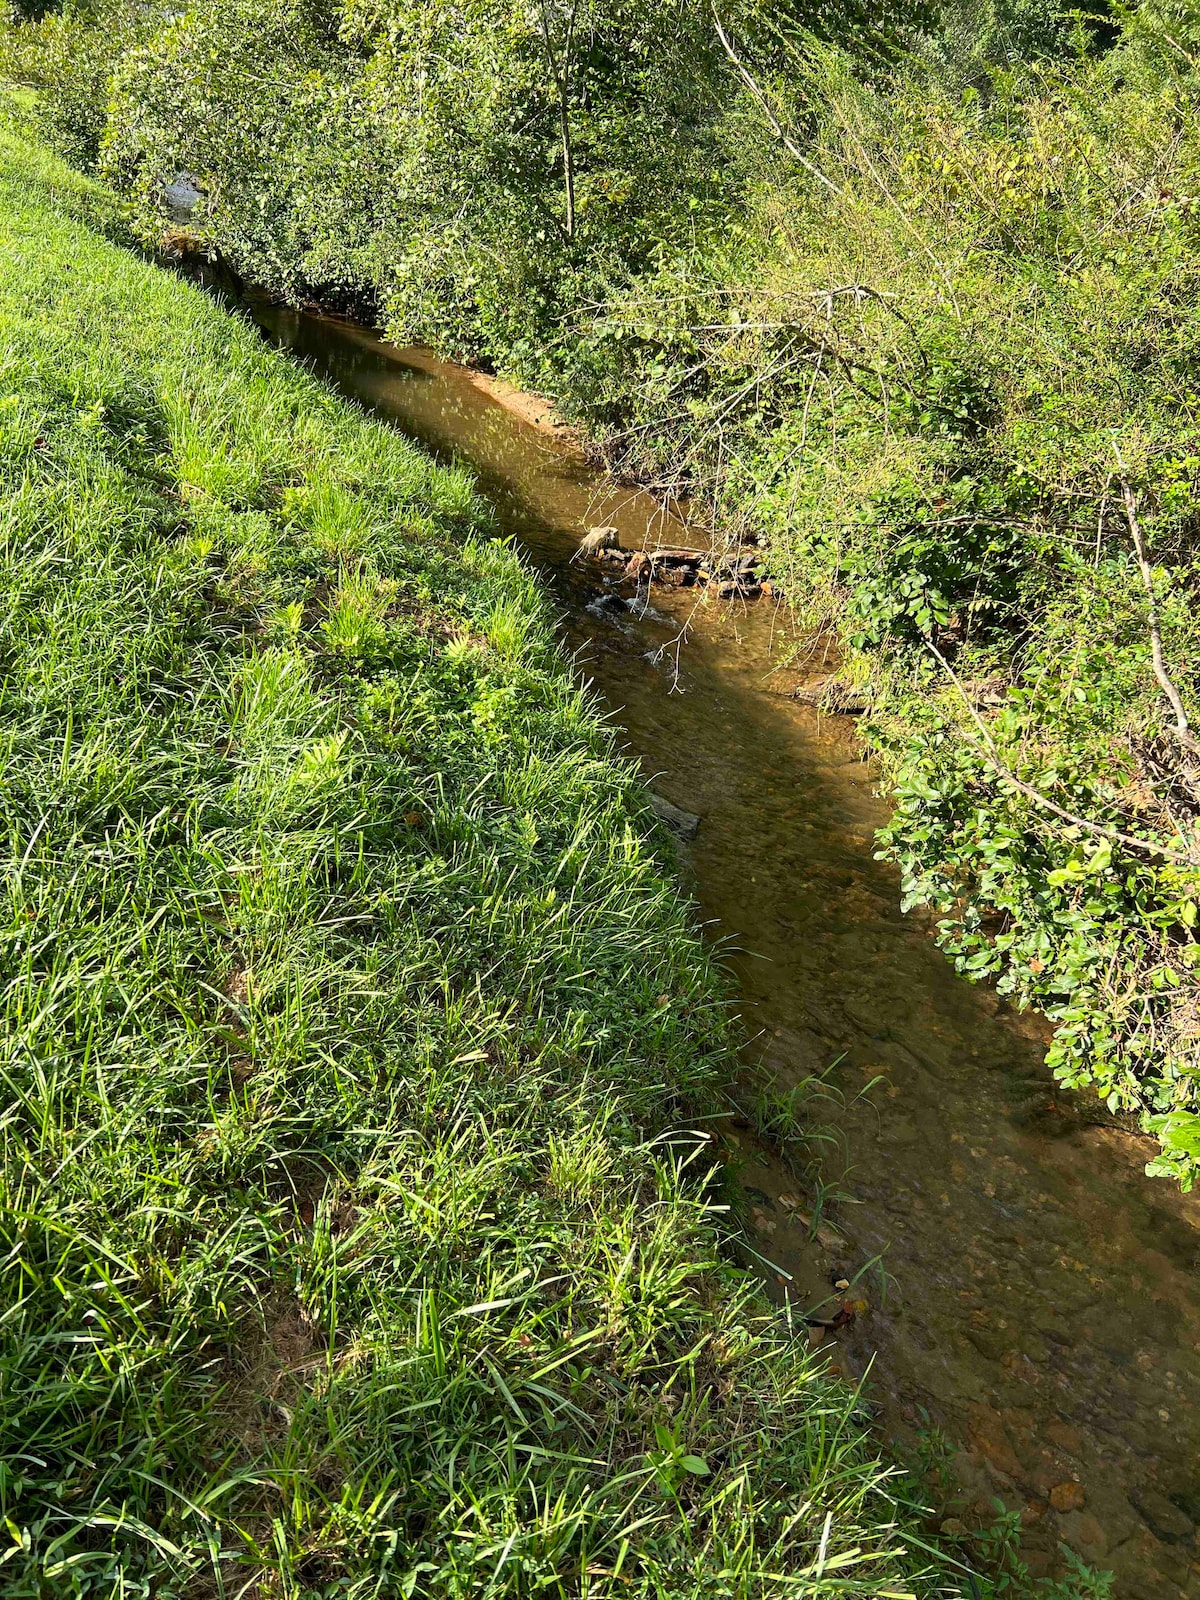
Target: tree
[{"x": 556, "y": 24}]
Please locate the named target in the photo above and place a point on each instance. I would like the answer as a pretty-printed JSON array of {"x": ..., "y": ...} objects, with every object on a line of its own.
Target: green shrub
[
  {"x": 70, "y": 52},
  {"x": 926, "y": 381}
]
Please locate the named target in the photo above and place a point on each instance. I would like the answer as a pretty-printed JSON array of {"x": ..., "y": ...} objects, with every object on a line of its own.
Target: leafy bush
[
  {"x": 951, "y": 382},
  {"x": 70, "y": 52}
]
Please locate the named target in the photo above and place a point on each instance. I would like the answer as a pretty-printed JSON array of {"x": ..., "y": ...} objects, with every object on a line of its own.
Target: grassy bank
[
  {"x": 911, "y": 304},
  {"x": 348, "y": 1014}
]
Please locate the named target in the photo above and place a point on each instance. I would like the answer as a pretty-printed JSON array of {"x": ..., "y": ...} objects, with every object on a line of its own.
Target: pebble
[
  {"x": 1064, "y": 1436},
  {"x": 1067, "y": 1496},
  {"x": 1036, "y": 1349},
  {"x": 1165, "y": 1518}
]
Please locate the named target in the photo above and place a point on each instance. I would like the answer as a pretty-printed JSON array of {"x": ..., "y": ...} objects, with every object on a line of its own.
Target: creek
[{"x": 1021, "y": 1291}]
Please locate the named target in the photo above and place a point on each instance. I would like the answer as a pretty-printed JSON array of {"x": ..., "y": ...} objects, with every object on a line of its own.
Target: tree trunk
[
  {"x": 561, "y": 72},
  {"x": 564, "y": 115}
]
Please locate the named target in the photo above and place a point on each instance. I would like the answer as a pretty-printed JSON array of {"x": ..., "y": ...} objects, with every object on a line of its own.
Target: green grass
[{"x": 347, "y": 1015}]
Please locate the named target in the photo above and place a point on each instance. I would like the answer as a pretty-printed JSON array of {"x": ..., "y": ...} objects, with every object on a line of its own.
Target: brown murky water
[{"x": 1034, "y": 1296}]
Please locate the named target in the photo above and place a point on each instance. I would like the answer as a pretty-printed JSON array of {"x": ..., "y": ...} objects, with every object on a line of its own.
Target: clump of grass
[
  {"x": 343, "y": 1250},
  {"x": 801, "y": 1123}
]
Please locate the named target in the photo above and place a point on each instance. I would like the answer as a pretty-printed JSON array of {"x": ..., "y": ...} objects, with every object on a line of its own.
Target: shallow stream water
[{"x": 1028, "y": 1292}]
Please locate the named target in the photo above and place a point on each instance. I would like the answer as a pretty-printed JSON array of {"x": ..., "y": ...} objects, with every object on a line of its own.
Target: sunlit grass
[{"x": 347, "y": 1010}]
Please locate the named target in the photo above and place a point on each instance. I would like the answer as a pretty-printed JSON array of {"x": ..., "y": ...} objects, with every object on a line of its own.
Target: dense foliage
[
  {"x": 956, "y": 459},
  {"x": 348, "y": 1249},
  {"x": 920, "y": 316}
]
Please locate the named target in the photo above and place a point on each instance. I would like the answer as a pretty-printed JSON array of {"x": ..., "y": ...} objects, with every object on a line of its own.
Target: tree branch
[
  {"x": 990, "y": 754},
  {"x": 1182, "y": 729},
  {"x": 776, "y": 126},
  {"x": 561, "y": 75}
]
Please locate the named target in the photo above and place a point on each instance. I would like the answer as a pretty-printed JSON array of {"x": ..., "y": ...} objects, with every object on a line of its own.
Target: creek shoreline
[
  {"x": 1005, "y": 1246},
  {"x": 339, "y": 928}
]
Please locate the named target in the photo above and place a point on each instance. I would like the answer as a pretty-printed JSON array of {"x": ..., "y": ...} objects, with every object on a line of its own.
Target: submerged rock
[
  {"x": 684, "y": 823},
  {"x": 1067, "y": 1496},
  {"x": 835, "y": 696},
  {"x": 738, "y": 589},
  {"x": 679, "y": 575}
]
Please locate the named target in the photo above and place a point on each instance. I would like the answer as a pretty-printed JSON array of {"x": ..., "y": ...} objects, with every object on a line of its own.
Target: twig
[
  {"x": 776, "y": 126},
  {"x": 1182, "y": 729},
  {"x": 989, "y": 753},
  {"x": 1100, "y": 518}
]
